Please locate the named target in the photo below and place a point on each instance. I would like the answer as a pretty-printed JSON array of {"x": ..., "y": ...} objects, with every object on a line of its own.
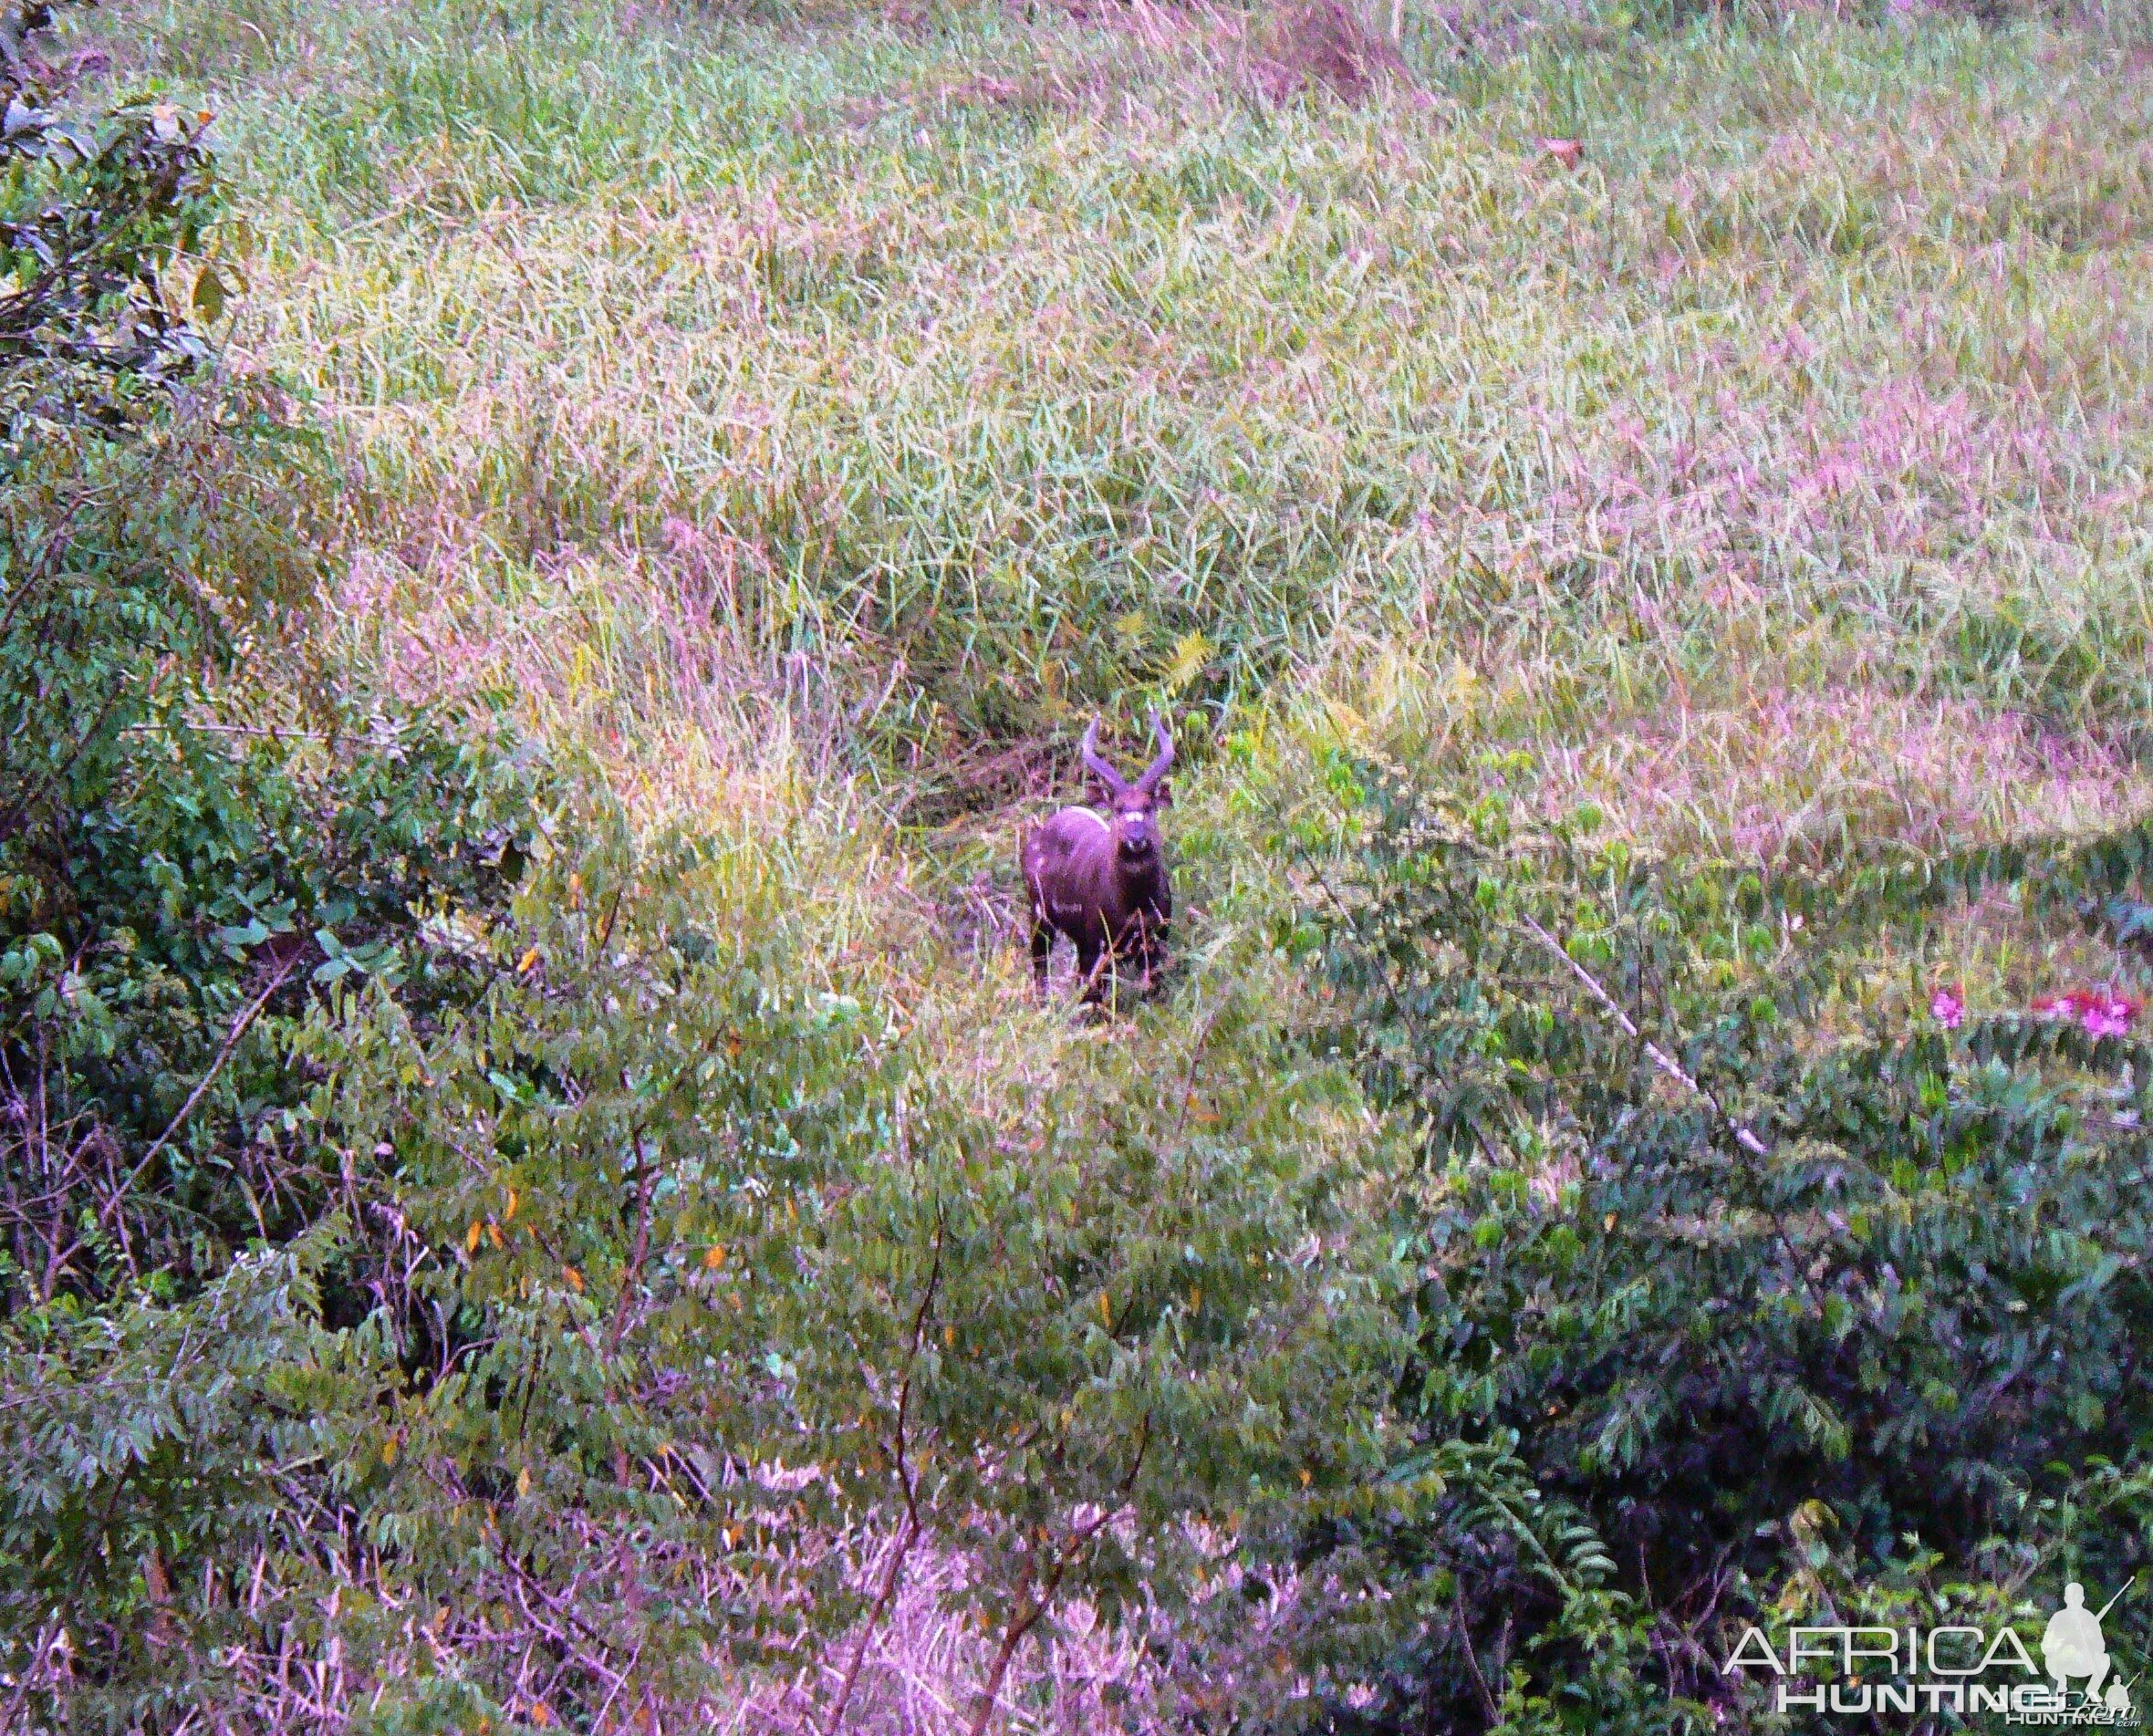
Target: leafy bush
[
  {"x": 706, "y": 1278},
  {"x": 175, "y": 887},
  {"x": 99, "y": 217},
  {"x": 1784, "y": 1294},
  {"x": 200, "y": 831}
]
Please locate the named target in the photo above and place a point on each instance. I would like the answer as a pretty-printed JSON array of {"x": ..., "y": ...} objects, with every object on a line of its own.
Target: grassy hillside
[
  {"x": 1065, "y": 370},
  {"x": 803, "y": 420},
  {"x": 821, "y": 418}
]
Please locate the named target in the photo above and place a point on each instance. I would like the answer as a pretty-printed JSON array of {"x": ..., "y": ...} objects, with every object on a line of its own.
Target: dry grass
[
  {"x": 1132, "y": 1678},
  {"x": 1811, "y": 776}
]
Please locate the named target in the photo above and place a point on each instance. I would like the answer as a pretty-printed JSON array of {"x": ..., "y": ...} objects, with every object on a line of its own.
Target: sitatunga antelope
[{"x": 1100, "y": 878}]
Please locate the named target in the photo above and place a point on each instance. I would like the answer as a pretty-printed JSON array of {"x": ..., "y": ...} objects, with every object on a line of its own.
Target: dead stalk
[
  {"x": 1662, "y": 1059},
  {"x": 1028, "y": 1614}
]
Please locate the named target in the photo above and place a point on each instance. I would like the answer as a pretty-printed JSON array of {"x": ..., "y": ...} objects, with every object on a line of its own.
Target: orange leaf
[
  {"x": 472, "y": 1235},
  {"x": 574, "y": 1277},
  {"x": 715, "y": 1257}
]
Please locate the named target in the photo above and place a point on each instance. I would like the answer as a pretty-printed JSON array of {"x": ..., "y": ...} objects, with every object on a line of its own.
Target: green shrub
[
  {"x": 98, "y": 215},
  {"x": 707, "y": 1277},
  {"x": 201, "y": 829},
  {"x": 1782, "y": 1298},
  {"x": 175, "y": 888}
]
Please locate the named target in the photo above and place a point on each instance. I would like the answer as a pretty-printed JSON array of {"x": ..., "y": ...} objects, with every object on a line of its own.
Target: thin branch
[
  {"x": 1021, "y": 1624},
  {"x": 646, "y": 1182},
  {"x": 1391, "y": 985},
  {"x": 606, "y": 927},
  {"x": 1480, "y": 1681},
  {"x": 272, "y": 731},
  {"x": 901, "y": 1546},
  {"x": 239, "y": 1028},
  {"x": 21, "y": 806},
  {"x": 57, "y": 543},
  {"x": 907, "y": 1483},
  {"x": 1665, "y": 1061}
]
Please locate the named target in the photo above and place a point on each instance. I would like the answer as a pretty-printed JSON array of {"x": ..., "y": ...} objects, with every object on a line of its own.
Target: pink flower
[
  {"x": 2103, "y": 1013},
  {"x": 2106, "y": 1015},
  {"x": 1947, "y": 1007}
]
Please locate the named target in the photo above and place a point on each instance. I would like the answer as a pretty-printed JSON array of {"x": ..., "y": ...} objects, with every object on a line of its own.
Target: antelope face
[
  {"x": 1136, "y": 832},
  {"x": 1136, "y": 836}
]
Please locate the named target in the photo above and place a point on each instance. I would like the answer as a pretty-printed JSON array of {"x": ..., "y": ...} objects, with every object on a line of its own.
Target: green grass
[{"x": 817, "y": 417}]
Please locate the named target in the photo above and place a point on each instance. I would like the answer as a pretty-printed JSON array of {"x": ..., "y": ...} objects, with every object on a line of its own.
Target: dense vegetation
[
  {"x": 551, "y": 546},
  {"x": 1839, "y": 1320}
]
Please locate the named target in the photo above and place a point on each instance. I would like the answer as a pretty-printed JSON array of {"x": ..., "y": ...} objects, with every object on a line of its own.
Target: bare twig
[
  {"x": 48, "y": 563},
  {"x": 1026, "y": 1618},
  {"x": 272, "y": 731},
  {"x": 885, "y": 1594},
  {"x": 907, "y": 1483},
  {"x": 19, "y": 809},
  {"x": 1662, "y": 1059},
  {"x": 1480, "y": 1681},
  {"x": 239, "y": 1028},
  {"x": 646, "y": 1183}
]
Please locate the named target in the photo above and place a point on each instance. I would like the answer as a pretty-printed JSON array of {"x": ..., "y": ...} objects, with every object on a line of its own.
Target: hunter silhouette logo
[
  {"x": 1955, "y": 1667},
  {"x": 2071, "y": 1645}
]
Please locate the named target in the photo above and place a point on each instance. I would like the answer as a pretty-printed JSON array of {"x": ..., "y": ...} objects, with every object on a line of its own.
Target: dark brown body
[{"x": 1100, "y": 879}]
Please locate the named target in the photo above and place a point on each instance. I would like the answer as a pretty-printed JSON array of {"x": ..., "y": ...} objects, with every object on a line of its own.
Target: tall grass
[
  {"x": 817, "y": 416},
  {"x": 1041, "y": 369}
]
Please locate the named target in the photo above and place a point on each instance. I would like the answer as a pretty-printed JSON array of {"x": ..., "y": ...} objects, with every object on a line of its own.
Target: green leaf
[{"x": 209, "y": 295}]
